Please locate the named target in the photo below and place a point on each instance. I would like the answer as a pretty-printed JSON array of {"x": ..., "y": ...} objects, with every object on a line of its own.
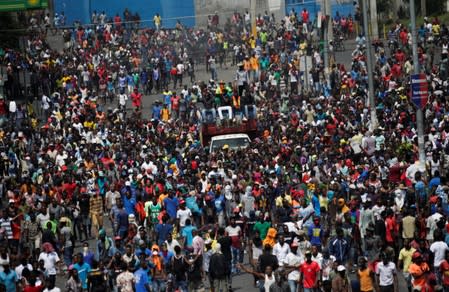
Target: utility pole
[
  {"x": 253, "y": 18},
  {"x": 416, "y": 70},
  {"x": 373, "y": 19},
  {"x": 423, "y": 8},
  {"x": 328, "y": 35},
  {"x": 369, "y": 67},
  {"x": 325, "y": 30}
]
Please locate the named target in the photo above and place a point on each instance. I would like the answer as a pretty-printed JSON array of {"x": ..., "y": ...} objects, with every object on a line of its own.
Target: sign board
[{"x": 419, "y": 90}]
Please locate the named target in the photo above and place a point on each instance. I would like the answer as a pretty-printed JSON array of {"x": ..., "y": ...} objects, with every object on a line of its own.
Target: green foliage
[{"x": 404, "y": 149}]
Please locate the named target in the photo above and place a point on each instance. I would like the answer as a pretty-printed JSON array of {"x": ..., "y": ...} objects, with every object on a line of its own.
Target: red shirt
[
  {"x": 33, "y": 289},
  {"x": 444, "y": 268},
  {"x": 136, "y": 98},
  {"x": 175, "y": 102},
  {"x": 305, "y": 16},
  {"x": 390, "y": 225},
  {"x": 309, "y": 272}
]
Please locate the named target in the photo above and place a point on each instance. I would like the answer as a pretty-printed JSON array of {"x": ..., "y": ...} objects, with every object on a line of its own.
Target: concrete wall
[{"x": 225, "y": 9}]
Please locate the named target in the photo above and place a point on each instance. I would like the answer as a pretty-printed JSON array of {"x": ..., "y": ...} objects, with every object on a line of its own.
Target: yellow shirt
[
  {"x": 165, "y": 114},
  {"x": 157, "y": 20},
  {"x": 279, "y": 200},
  {"x": 162, "y": 198},
  {"x": 406, "y": 257}
]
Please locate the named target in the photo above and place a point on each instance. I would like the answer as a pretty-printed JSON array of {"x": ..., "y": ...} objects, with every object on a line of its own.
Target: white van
[{"x": 234, "y": 141}]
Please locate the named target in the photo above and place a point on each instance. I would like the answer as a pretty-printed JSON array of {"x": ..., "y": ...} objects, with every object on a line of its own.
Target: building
[{"x": 189, "y": 12}]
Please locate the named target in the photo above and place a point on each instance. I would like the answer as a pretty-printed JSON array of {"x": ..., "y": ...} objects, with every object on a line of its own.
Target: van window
[{"x": 233, "y": 143}]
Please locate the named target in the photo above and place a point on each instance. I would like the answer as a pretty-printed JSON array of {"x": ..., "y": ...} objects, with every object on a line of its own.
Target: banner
[
  {"x": 30, "y": 4},
  {"x": 17, "y": 5}
]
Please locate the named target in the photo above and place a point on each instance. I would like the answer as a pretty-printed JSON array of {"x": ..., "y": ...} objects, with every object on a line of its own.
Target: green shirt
[{"x": 262, "y": 228}]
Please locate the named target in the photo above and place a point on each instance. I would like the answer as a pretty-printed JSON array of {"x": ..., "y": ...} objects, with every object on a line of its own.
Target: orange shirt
[
  {"x": 254, "y": 63},
  {"x": 366, "y": 281},
  {"x": 418, "y": 273},
  {"x": 247, "y": 65}
]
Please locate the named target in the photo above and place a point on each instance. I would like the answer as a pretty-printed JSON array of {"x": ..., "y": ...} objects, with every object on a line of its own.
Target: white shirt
[
  {"x": 438, "y": 248},
  {"x": 183, "y": 215},
  {"x": 171, "y": 245},
  {"x": 281, "y": 251},
  {"x": 180, "y": 68},
  {"x": 233, "y": 231},
  {"x": 385, "y": 273},
  {"x": 294, "y": 261},
  {"x": 19, "y": 269},
  {"x": 318, "y": 258},
  {"x": 122, "y": 99},
  {"x": 45, "y": 102},
  {"x": 431, "y": 224},
  {"x": 12, "y": 106},
  {"x": 50, "y": 260},
  {"x": 56, "y": 289}
]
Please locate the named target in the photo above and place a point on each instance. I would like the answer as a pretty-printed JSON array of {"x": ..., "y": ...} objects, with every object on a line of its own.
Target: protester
[{"x": 319, "y": 187}]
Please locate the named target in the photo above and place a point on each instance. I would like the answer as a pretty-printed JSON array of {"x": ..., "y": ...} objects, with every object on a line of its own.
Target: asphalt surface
[{"x": 242, "y": 282}]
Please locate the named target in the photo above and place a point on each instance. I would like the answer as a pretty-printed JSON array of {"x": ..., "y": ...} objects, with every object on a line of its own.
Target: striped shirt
[
  {"x": 96, "y": 205},
  {"x": 5, "y": 224}
]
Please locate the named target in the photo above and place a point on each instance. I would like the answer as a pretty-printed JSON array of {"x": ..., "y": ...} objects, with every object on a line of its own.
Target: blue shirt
[
  {"x": 146, "y": 251},
  {"x": 219, "y": 203},
  {"x": 129, "y": 205},
  {"x": 316, "y": 205},
  {"x": 187, "y": 233},
  {"x": 162, "y": 231},
  {"x": 9, "y": 280},
  {"x": 315, "y": 233},
  {"x": 83, "y": 270},
  {"x": 142, "y": 280},
  {"x": 171, "y": 205},
  {"x": 89, "y": 257},
  {"x": 434, "y": 182}
]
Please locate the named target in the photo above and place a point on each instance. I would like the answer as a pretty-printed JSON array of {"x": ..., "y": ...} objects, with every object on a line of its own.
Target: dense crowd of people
[{"x": 116, "y": 198}]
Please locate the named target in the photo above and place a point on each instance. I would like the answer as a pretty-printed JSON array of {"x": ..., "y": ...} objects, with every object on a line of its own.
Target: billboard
[{"x": 16, "y": 5}]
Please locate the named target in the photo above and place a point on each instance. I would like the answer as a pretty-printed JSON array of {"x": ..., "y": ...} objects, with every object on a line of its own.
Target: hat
[
  {"x": 341, "y": 268},
  {"x": 117, "y": 238},
  {"x": 225, "y": 146},
  {"x": 182, "y": 202},
  {"x": 308, "y": 253},
  {"x": 11, "y": 201}
]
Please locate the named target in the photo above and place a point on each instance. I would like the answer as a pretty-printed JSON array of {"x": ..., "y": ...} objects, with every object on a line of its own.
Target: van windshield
[{"x": 233, "y": 143}]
